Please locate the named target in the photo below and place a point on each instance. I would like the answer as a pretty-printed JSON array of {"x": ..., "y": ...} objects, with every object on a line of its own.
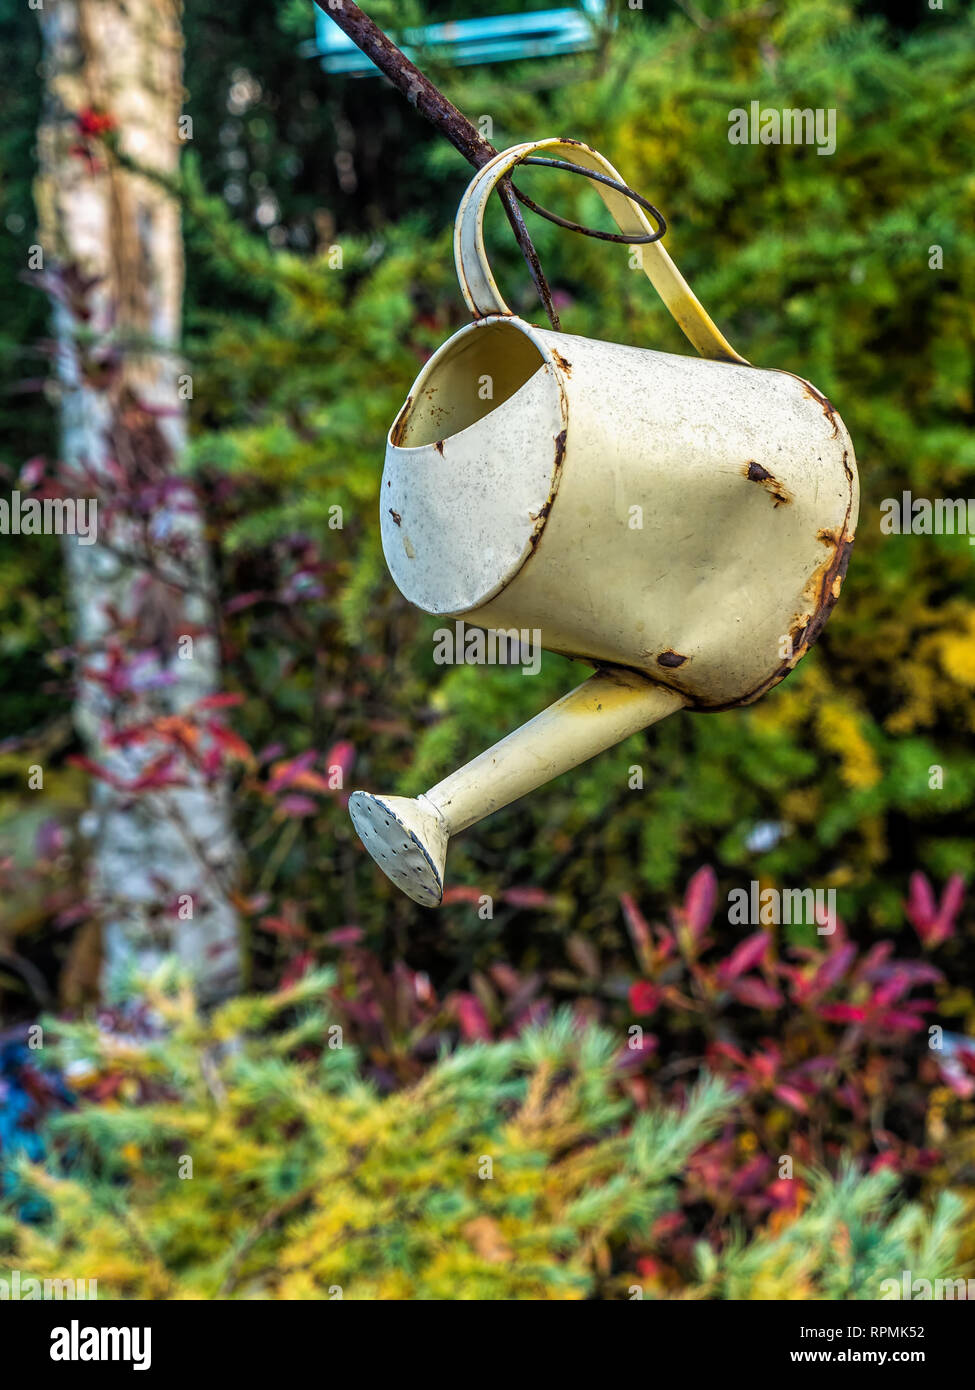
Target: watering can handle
[{"x": 477, "y": 281}]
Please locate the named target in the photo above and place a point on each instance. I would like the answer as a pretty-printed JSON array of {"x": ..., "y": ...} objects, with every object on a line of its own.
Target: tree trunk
[{"x": 163, "y": 855}]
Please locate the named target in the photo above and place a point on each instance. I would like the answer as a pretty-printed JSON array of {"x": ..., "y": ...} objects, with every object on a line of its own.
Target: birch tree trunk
[{"x": 162, "y": 858}]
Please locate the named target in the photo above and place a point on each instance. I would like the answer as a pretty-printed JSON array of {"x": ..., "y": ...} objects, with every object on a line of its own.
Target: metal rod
[{"x": 431, "y": 103}]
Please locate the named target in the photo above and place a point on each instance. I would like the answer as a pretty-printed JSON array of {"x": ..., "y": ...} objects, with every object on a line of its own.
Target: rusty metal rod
[{"x": 431, "y": 103}]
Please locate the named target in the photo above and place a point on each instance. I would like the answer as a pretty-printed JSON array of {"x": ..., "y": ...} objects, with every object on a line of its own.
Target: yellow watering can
[{"x": 681, "y": 524}]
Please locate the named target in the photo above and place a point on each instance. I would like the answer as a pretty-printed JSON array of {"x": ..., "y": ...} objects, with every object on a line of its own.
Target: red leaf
[
  {"x": 841, "y": 1013},
  {"x": 240, "y": 601},
  {"x": 756, "y": 994},
  {"x": 921, "y": 906},
  {"x": 222, "y": 701},
  {"x": 342, "y": 756},
  {"x": 345, "y": 936},
  {"x": 745, "y": 956},
  {"x": 897, "y": 1020},
  {"x": 638, "y": 928},
  {"x": 791, "y": 1097},
  {"x": 462, "y": 893},
  {"x": 288, "y": 771},
  {"x": 833, "y": 968},
  {"x": 230, "y": 742},
  {"x": 644, "y": 998},
  {"x": 93, "y": 123},
  {"x": 700, "y": 899},
  {"x": 471, "y": 1017},
  {"x": 284, "y": 926},
  {"x": 298, "y": 968},
  {"x": 527, "y": 897}
]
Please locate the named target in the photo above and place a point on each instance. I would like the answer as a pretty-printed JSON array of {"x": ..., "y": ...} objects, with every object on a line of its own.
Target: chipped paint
[
  {"x": 755, "y": 473},
  {"x": 399, "y": 424}
]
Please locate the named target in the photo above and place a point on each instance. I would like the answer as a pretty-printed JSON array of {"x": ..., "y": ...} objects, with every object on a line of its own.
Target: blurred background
[{"x": 225, "y": 253}]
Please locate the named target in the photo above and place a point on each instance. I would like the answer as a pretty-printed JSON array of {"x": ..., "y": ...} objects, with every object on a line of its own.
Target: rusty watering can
[{"x": 681, "y": 524}]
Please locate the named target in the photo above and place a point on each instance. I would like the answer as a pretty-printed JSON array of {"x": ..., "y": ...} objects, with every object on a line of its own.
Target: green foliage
[
  {"x": 511, "y": 1170},
  {"x": 851, "y": 1237}
]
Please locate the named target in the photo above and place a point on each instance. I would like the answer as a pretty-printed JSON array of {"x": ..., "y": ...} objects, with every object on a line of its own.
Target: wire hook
[{"x": 637, "y": 198}]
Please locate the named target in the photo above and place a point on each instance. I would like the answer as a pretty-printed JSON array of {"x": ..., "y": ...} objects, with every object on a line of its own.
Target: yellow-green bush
[{"x": 242, "y": 1156}]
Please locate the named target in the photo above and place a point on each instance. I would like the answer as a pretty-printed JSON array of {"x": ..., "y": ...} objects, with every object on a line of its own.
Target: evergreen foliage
[{"x": 242, "y": 1155}]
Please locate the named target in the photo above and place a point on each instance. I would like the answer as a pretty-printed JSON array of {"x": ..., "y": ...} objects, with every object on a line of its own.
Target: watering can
[{"x": 681, "y": 524}]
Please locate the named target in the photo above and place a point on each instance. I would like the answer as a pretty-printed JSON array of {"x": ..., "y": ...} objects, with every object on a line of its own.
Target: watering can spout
[{"x": 408, "y": 837}]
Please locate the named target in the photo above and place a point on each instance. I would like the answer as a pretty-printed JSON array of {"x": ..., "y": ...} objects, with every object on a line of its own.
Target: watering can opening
[
  {"x": 470, "y": 377},
  {"x": 472, "y": 465}
]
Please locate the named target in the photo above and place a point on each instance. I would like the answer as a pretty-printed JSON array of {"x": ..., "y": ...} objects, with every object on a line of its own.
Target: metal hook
[{"x": 637, "y": 198}]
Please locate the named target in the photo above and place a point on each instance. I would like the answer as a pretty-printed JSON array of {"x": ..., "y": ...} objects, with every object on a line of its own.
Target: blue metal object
[{"x": 495, "y": 39}]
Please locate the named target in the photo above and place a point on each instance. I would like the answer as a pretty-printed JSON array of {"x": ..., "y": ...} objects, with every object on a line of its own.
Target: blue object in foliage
[
  {"x": 493, "y": 39},
  {"x": 27, "y": 1094}
]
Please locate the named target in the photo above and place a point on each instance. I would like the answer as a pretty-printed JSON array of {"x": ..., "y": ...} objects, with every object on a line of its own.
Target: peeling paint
[
  {"x": 825, "y": 405},
  {"x": 399, "y": 424}
]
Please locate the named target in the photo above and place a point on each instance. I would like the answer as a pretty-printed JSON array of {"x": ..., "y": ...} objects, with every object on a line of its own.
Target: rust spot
[
  {"x": 670, "y": 659},
  {"x": 562, "y": 363},
  {"x": 396, "y": 517},
  {"x": 825, "y": 584},
  {"x": 559, "y": 449},
  {"x": 439, "y": 447},
  {"x": 399, "y": 424},
  {"x": 755, "y": 473},
  {"x": 821, "y": 592},
  {"x": 824, "y": 403},
  {"x": 539, "y": 517}
]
